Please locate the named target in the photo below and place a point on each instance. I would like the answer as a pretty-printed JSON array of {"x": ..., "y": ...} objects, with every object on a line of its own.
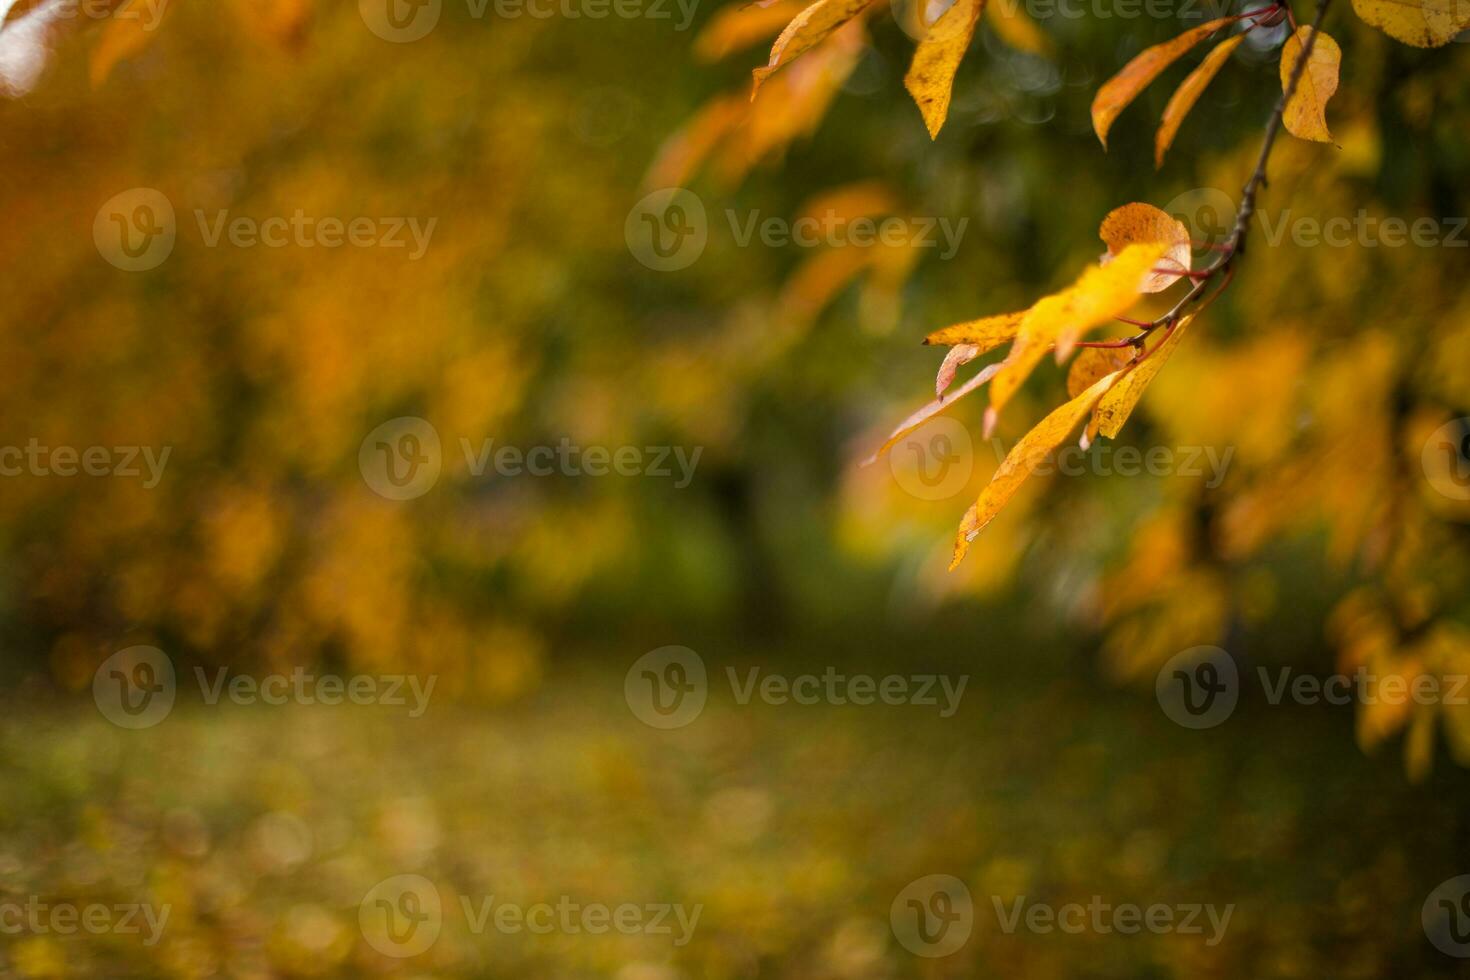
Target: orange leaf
[
  {"x": 987, "y": 333},
  {"x": 1306, "y": 110},
  {"x": 1093, "y": 363},
  {"x": 1188, "y": 94},
  {"x": 930, "y": 78},
  {"x": 808, "y": 29},
  {"x": 1113, "y": 410},
  {"x": 1101, "y": 293},
  {"x": 1022, "y": 460},
  {"x": 737, "y": 25},
  {"x": 1124, "y": 87},
  {"x": 1134, "y": 224}
]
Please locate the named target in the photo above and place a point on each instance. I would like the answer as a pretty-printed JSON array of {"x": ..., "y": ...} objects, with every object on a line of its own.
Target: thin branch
[{"x": 1234, "y": 245}]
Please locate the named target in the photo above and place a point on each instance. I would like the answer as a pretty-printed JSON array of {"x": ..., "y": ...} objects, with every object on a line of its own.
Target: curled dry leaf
[
  {"x": 930, "y": 78},
  {"x": 1022, "y": 461},
  {"x": 932, "y": 409},
  {"x": 1011, "y": 23},
  {"x": 808, "y": 29},
  {"x": 958, "y": 355},
  {"x": 1188, "y": 93},
  {"x": 1124, "y": 87},
  {"x": 1135, "y": 224},
  {"x": 1422, "y": 23},
  {"x": 1306, "y": 111}
]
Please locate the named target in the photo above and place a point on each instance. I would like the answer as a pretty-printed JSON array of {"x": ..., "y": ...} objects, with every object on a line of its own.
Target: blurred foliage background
[{"x": 528, "y": 320}]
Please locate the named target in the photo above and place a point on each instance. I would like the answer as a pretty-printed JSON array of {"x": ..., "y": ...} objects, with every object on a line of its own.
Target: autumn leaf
[
  {"x": 738, "y": 25},
  {"x": 959, "y": 355},
  {"x": 987, "y": 333},
  {"x": 1188, "y": 93},
  {"x": 1114, "y": 409},
  {"x": 1093, "y": 364},
  {"x": 1422, "y": 23},
  {"x": 1134, "y": 224},
  {"x": 1022, "y": 460},
  {"x": 1101, "y": 293},
  {"x": 930, "y": 78},
  {"x": 808, "y": 29},
  {"x": 127, "y": 32},
  {"x": 932, "y": 409},
  {"x": 1124, "y": 87},
  {"x": 1306, "y": 110}
]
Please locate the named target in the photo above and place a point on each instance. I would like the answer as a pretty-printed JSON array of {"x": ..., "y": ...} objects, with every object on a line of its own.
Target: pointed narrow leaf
[
  {"x": 932, "y": 409},
  {"x": 1306, "y": 111},
  {"x": 1124, "y": 87},
  {"x": 1022, "y": 460},
  {"x": 808, "y": 29},
  {"x": 1188, "y": 93},
  {"x": 930, "y": 79},
  {"x": 987, "y": 333},
  {"x": 1114, "y": 409},
  {"x": 1135, "y": 224}
]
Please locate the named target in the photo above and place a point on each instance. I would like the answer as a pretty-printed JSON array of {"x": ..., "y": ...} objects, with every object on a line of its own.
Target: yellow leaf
[
  {"x": 1422, "y": 23},
  {"x": 685, "y": 150},
  {"x": 737, "y": 25},
  {"x": 1102, "y": 293},
  {"x": 932, "y": 409},
  {"x": 1124, "y": 87},
  {"x": 1188, "y": 93},
  {"x": 1009, "y": 20},
  {"x": 1306, "y": 111},
  {"x": 127, "y": 32},
  {"x": 1114, "y": 410},
  {"x": 930, "y": 79},
  {"x": 808, "y": 29},
  {"x": 987, "y": 333},
  {"x": 1135, "y": 224},
  {"x": 1093, "y": 363},
  {"x": 1022, "y": 460}
]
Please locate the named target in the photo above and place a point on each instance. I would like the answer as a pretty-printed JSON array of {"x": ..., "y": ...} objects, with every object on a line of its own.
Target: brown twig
[{"x": 1234, "y": 245}]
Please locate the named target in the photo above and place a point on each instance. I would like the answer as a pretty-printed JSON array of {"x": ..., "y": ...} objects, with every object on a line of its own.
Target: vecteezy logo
[
  {"x": 1446, "y": 459},
  {"x": 667, "y": 687},
  {"x": 134, "y": 688},
  {"x": 400, "y": 21},
  {"x": 135, "y": 230},
  {"x": 934, "y": 462},
  {"x": 1446, "y": 916},
  {"x": 401, "y": 916},
  {"x": 1208, "y": 213},
  {"x": 1198, "y": 688},
  {"x": 400, "y": 459},
  {"x": 667, "y": 230},
  {"x": 932, "y": 916}
]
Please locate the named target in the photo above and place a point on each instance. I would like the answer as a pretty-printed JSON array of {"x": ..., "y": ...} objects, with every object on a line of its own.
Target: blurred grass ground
[{"x": 793, "y": 826}]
